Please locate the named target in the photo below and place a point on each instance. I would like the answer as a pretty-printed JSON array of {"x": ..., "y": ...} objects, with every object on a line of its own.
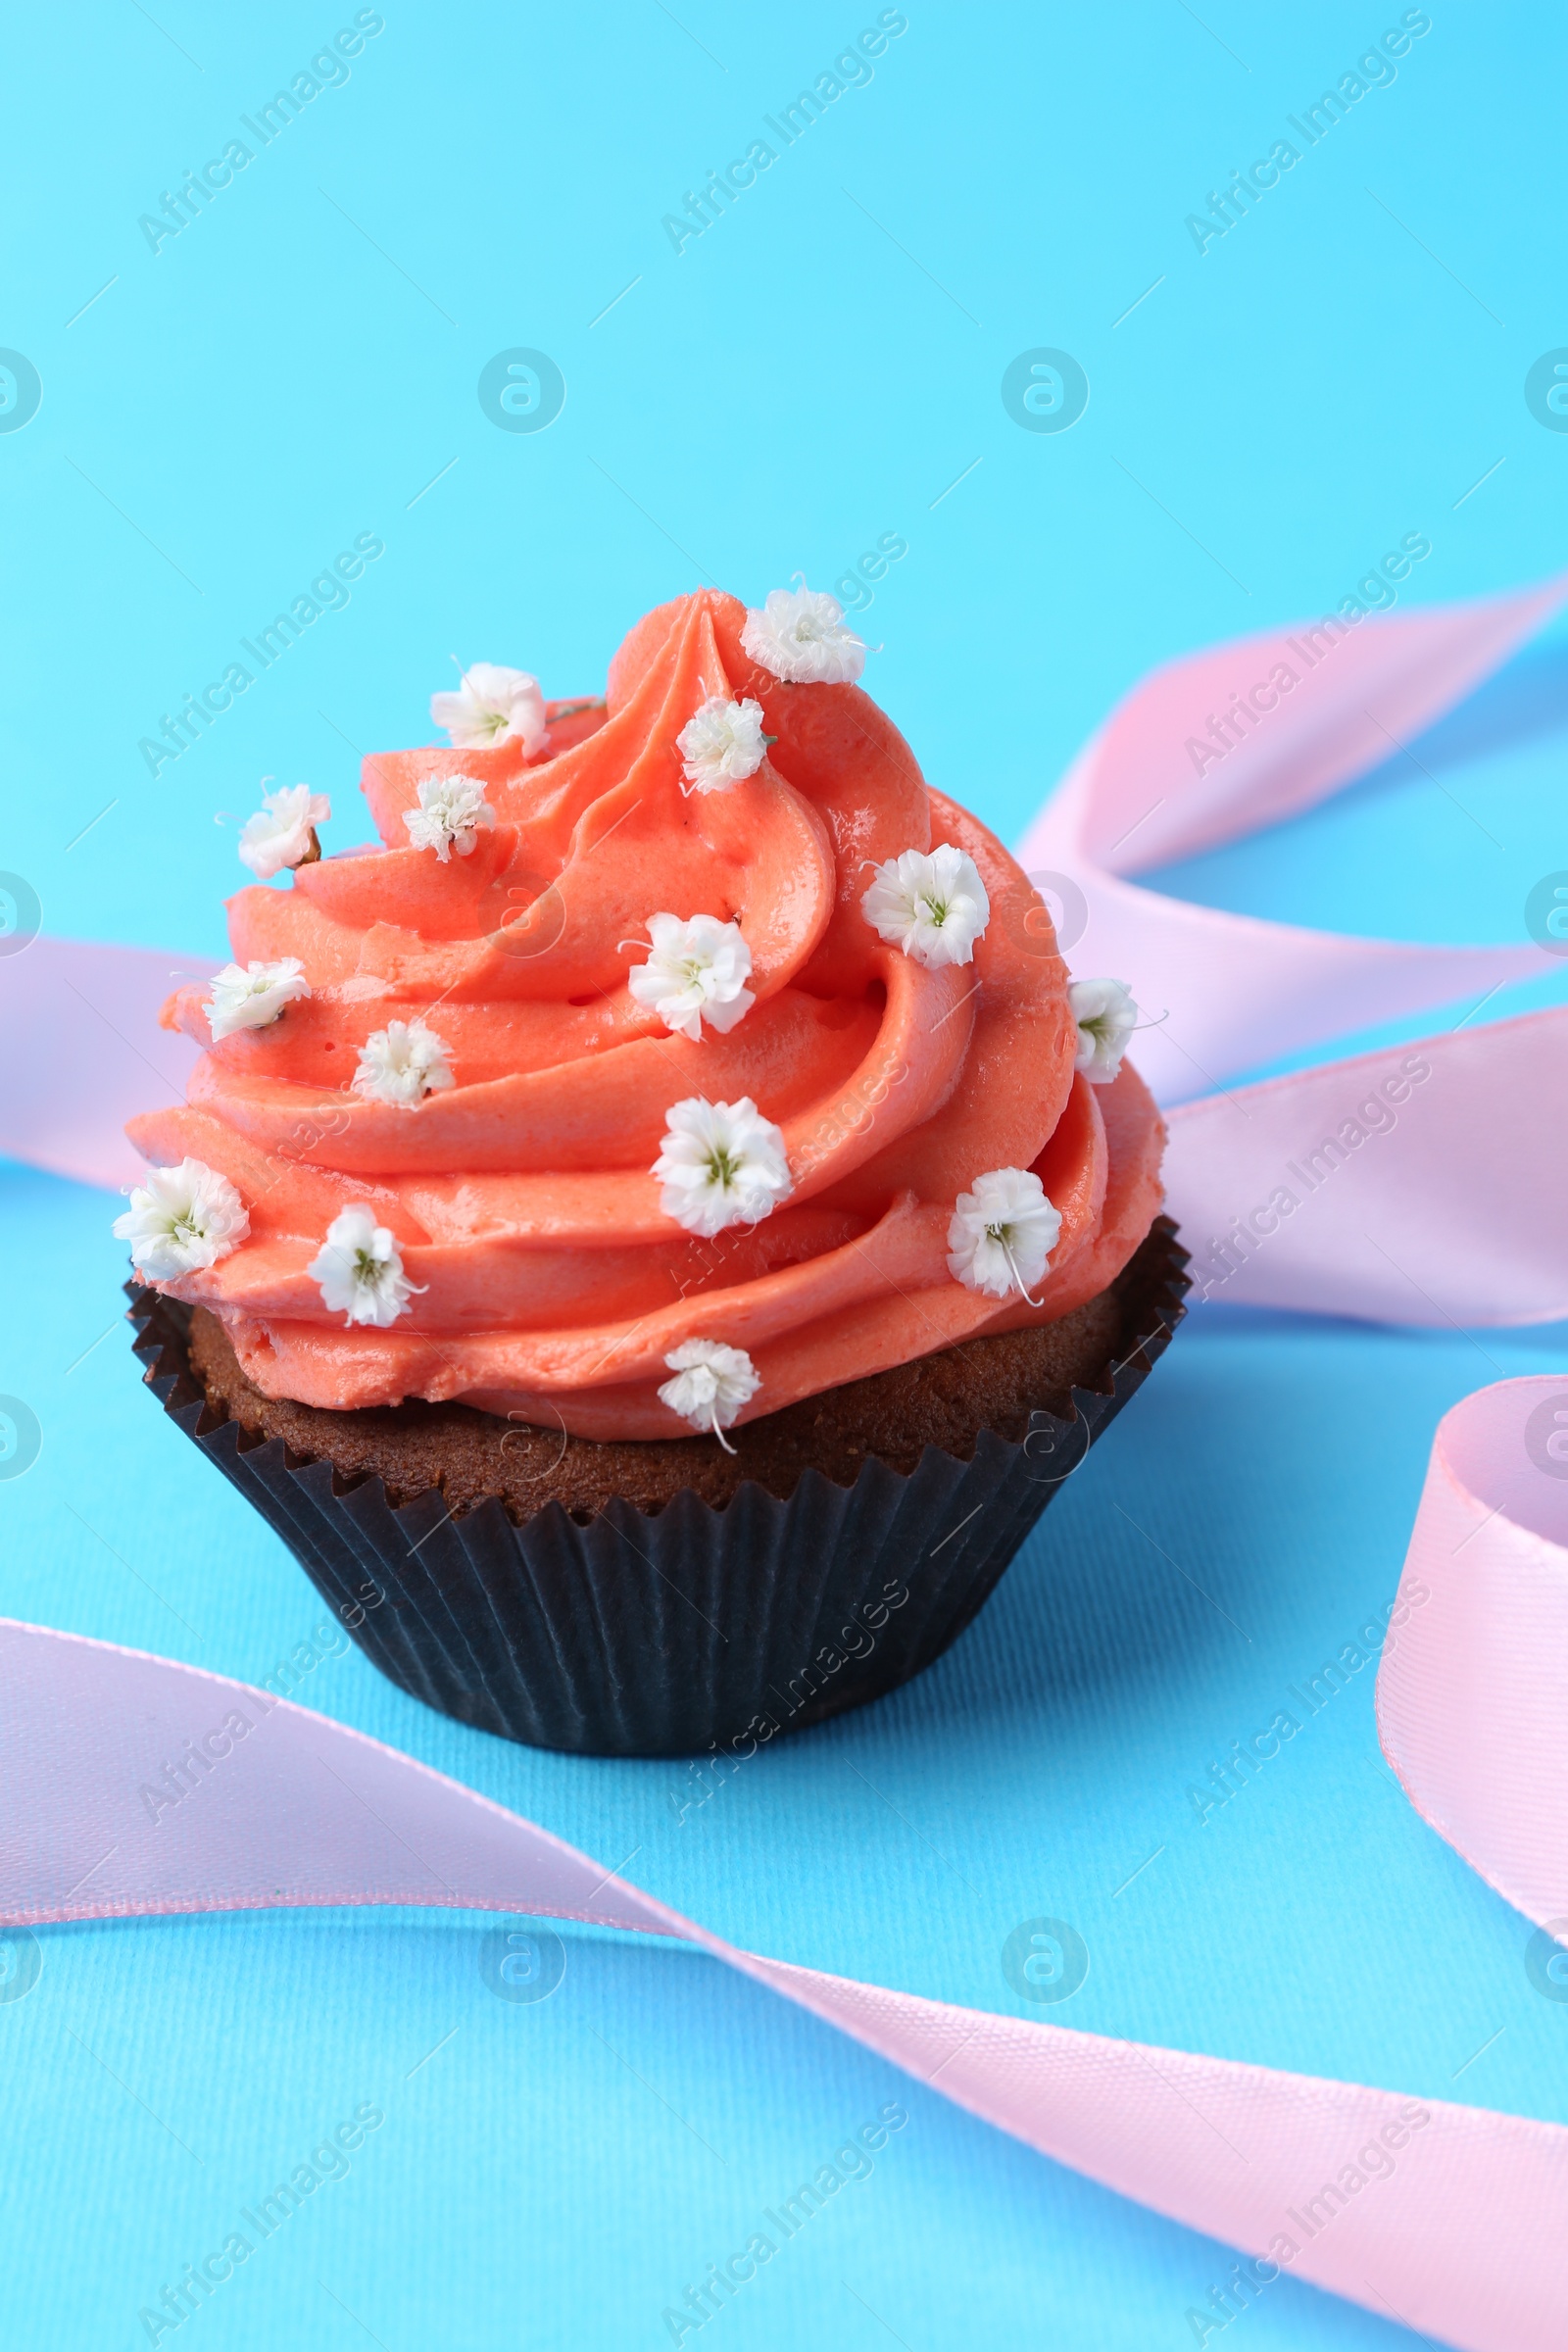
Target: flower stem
[{"x": 1006, "y": 1251}]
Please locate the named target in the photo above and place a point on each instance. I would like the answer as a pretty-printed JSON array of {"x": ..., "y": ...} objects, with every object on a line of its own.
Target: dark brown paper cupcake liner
[{"x": 684, "y": 1629}]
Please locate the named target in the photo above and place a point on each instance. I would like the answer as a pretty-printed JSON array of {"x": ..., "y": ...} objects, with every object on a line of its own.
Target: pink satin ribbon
[
  {"x": 1439, "y": 1207},
  {"x": 1427, "y": 1199},
  {"x": 1357, "y": 1189},
  {"x": 1471, "y": 1698},
  {"x": 1242, "y": 992},
  {"x": 90, "y": 1010},
  {"x": 1456, "y": 2227}
]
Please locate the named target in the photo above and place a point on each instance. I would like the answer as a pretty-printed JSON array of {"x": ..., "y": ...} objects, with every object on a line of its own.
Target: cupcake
[{"x": 653, "y": 1235}]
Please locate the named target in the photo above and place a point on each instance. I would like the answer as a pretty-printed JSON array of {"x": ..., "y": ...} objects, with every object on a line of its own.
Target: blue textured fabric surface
[{"x": 297, "y": 365}]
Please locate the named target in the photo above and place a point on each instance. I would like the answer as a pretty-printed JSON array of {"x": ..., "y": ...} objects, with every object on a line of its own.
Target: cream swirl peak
[{"x": 906, "y": 1032}]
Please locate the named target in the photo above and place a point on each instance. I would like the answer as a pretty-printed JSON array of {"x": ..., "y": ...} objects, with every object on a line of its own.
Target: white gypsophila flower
[
  {"x": 722, "y": 1163},
  {"x": 493, "y": 704},
  {"x": 1106, "y": 1017},
  {"x": 253, "y": 996},
  {"x": 722, "y": 744},
  {"x": 283, "y": 832},
  {"x": 1003, "y": 1234},
  {"x": 183, "y": 1219},
  {"x": 933, "y": 905},
  {"x": 800, "y": 635},
  {"x": 451, "y": 812},
  {"x": 402, "y": 1063},
  {"x": 712, "y": 1384},
  {"x": 698, "y": 971},
  {"x": 359, "y": 1269}
]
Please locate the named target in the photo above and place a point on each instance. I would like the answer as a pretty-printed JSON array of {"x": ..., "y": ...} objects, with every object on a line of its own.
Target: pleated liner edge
[{"x": 692, "y": 1628}]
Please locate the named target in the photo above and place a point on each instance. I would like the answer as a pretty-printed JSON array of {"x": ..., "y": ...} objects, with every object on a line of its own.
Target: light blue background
[{"x": 815, "y": 370}]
